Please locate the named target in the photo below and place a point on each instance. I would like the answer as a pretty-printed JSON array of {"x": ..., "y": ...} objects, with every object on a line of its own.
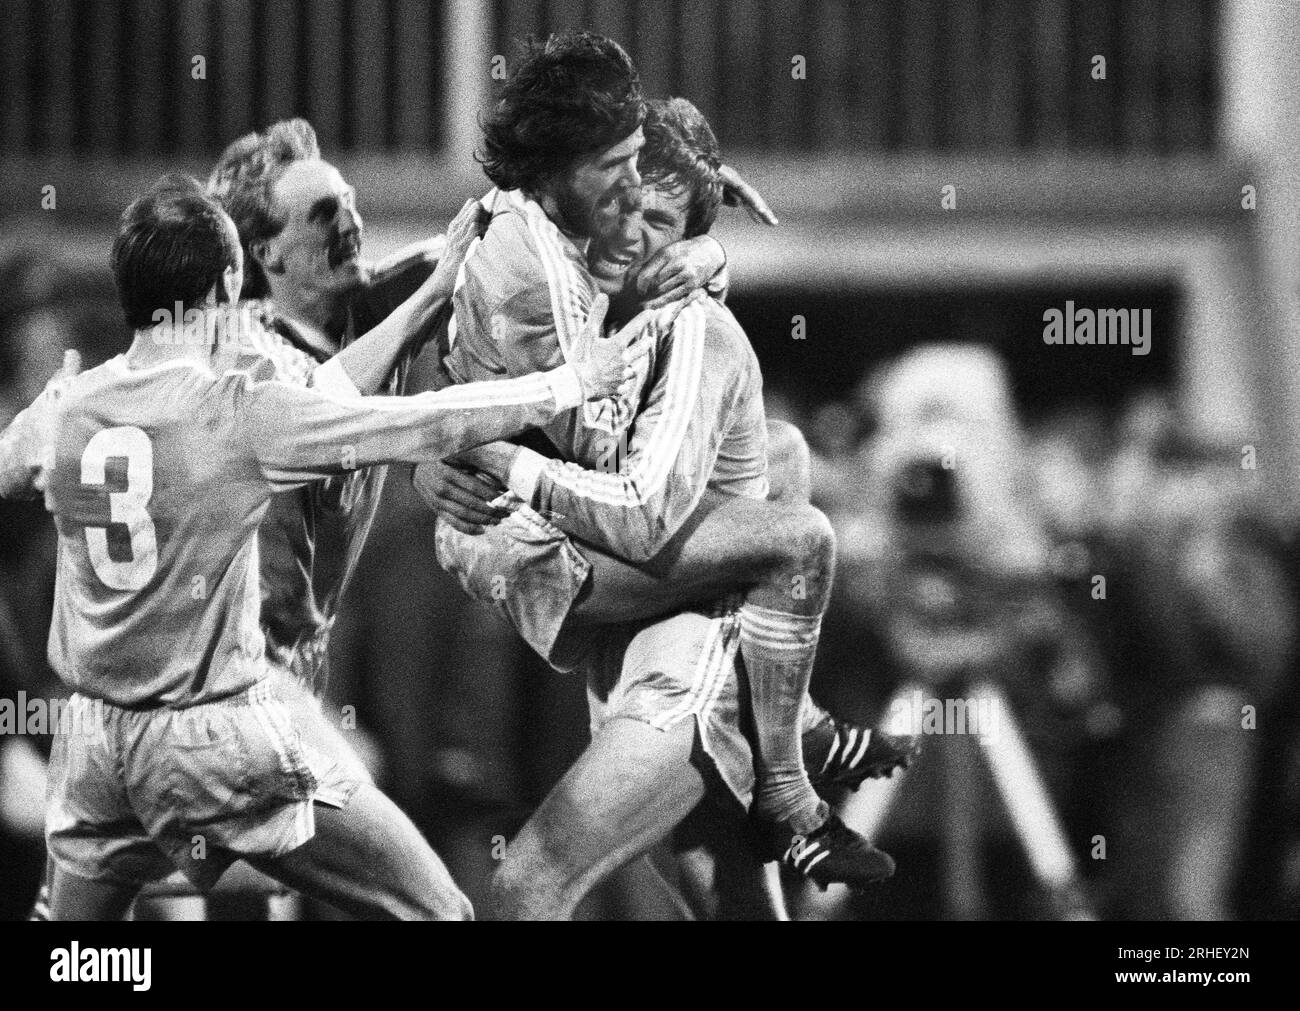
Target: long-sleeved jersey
[
  {"x": 522, "y": 299},
  {"x": 702, "y": 424},
  {"x": 330, "y": 518},
  {"x": 158, "y": 479}
]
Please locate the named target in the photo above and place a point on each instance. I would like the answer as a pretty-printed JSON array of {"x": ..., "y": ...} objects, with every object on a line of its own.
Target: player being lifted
[
  {"x": 158, "y": 470},
  {"x": 562, "y": 148}
]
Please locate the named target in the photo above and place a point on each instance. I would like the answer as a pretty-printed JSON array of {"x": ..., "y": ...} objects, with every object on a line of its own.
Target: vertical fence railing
[
  {"x": 116, "y": 77},
  {"x": 897, "y": 75}
]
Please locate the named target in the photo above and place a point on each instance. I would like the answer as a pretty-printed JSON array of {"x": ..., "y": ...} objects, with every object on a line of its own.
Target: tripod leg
[
  {"x": 1029, "y": 805},
  {"x": 865, "y": 810},
  {"x": 960, "y": 835}
]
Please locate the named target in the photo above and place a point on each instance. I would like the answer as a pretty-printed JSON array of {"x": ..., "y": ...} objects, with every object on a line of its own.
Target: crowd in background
[
  {"x": 1125, "y": 584},
  {"x": 1160, "y": 704}
]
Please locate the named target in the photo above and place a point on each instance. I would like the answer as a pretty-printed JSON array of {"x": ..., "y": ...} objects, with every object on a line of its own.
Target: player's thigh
[
  {"x": 727, "y": 544},
  {"x": 626, "y": 792},
  {"x": 77, "y": 898},
  {"x": 370, "y": 860}
]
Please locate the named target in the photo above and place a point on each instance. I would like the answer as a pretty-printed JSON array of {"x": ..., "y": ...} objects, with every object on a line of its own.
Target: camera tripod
[{"x": 1019, "y": 785}]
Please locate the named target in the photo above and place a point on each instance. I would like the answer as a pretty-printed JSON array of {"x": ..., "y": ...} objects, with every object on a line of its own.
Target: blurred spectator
[
  {"x": 1141, "y": 686},
  {"x": 1199, "y": 624},
  {"x": 45, "y": 307}
]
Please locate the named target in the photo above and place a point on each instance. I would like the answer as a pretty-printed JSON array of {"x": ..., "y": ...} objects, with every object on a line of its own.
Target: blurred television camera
[{"x": 943, "y": 544}]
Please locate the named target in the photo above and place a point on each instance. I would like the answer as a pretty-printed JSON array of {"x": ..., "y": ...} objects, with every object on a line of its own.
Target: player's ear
[
  {"x": 261, "y": 252},
  {"x": 232, "y": 283}
]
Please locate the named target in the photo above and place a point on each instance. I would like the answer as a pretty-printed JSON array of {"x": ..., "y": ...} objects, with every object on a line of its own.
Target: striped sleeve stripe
[
  {"x": 566, "y": 290},
  {"x": 530, "y": 389},
  {"x": 561, "y": 281},
  {"x": 453, "y": 328},
  {"x": 500, "y": 393},
  {"x": 655, "y": 462}
]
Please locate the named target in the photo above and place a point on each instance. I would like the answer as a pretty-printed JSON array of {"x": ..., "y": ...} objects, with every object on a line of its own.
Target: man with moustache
[{"x": 301, "y": 232}]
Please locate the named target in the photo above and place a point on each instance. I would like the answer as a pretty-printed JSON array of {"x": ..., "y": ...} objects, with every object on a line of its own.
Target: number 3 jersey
[{"x": 158, "y": 479}]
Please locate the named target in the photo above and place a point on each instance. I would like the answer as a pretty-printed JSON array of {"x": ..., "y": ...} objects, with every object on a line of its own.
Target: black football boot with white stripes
[
  {"x": 835, "y": 854},
  {"x": 841, "y": 754}
]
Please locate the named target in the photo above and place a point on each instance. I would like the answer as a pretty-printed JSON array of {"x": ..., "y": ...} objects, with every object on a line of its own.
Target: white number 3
[{"x": 126, "y": 507}]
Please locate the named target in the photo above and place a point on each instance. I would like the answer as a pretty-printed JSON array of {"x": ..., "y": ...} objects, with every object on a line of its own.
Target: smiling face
[
  {"x": 590, "y": 195},
  {"x": 319, "y": 247},
  {"x": 643, "y": 228}
]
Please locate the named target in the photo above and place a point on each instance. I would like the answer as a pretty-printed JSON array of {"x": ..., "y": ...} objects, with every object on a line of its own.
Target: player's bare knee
[
  {"x": 506, "y": 886},
  {"x": 809, "y": 543},
  {"x": 457, "y": 907},
  {"x": 420, "y": 890},
  {"x": 519, "y": 890},
  {"x": 446, "y": 903},
  {"x": 537, "y": 878}
]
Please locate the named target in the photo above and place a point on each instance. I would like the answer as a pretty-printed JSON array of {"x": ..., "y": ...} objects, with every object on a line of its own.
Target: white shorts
[{"x": 687, "y": 666}]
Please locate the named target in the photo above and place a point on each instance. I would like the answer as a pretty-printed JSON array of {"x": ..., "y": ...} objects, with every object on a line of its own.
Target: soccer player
[
  {"x": 158, "y": 471},
  {"x": 562, "y": 146},
  {"x": 315, "y": 299}
]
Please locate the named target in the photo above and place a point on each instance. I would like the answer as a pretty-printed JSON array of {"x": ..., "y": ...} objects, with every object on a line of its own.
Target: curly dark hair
[
  {"x": 681, "y": 153},
  {"x": 172, "y": 245},
  {"x": 571, "y": 95},
  {"x": 244, "y": 177}
]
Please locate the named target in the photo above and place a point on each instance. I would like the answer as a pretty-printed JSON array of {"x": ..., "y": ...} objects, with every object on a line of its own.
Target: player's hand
[
  {"x": 71, "y": 367},
  {"x": 465, "y": 227},
  {"x": 461, "y": 497},
  {"x": 738, "y": 193},
  {"x": 610, "y": 368},
  {"x": 421, "y": 310},
  {"x": 23, "y": 780},
  {"x": 679, "y": 269},
  {"x": 492, "y": 458},
  {"x": 54, "y": 389}
]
